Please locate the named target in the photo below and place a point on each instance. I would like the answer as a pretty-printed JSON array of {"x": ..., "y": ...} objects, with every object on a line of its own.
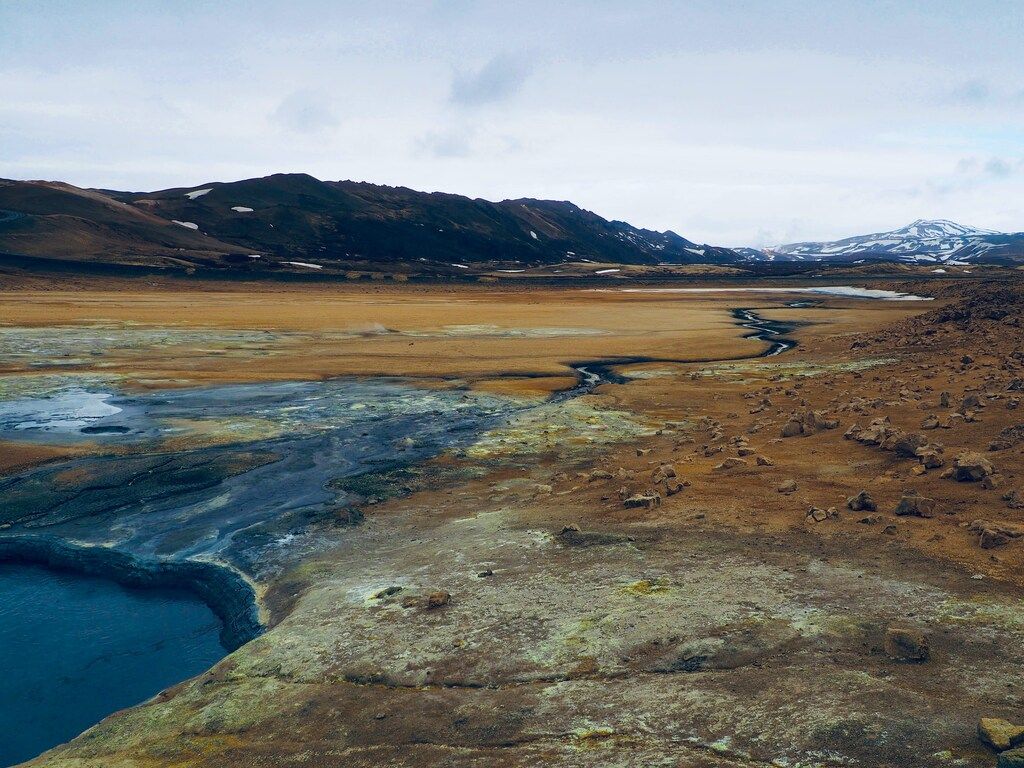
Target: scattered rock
[
  {"x": 438, "y": 599},
  {"x": 600, "y": 474},
  {"x": 1013, "y": 758},
  {"x": 905, "y": 444},
  {"x": 862, "y": 502},
  {"x": 792, "y": 428},
  {"x": 819, "y": 515},
  {"x": 648, "y": 500},
  {"x": 914, "y": 505},
  {"x": 903, "y": 644},
  {"x": 672, "y": 487},
  {"x": 993, "y": 534},
  {"x": 971, "y": 466},
  {"x": 992, "y": 482},
  {"x": 930, "y": 456},
  {"x": 1000, "y": 734},
  {"x": 930, "y": 422},
  {"x": 664, "y": 472},
  {"x": 731, "y": 463}
]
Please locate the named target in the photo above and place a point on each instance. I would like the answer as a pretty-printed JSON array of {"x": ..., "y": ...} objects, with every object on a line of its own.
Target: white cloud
[
  {"x": 785, "y": 121},
  {"x": 304, "y": 112}
]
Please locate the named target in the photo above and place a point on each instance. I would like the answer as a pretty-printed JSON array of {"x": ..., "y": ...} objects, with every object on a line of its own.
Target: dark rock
[
  {"x": 904, "y": 644},
  {"x": 971, "y": 466},
  {"x": 787, "y": 486},
  {"x": 914, "y": 505},
  {"x": 648, "y": 500},
  {"x": 438, "y": 599},
  {"x": 862, "y": 502},
  {"x": 906, "y": 444}
]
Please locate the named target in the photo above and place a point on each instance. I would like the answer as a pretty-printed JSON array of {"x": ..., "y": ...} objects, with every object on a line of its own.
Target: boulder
[
  {"x": 792, "y": 428},
  {"x": 672, "y": 487},
  {"x": 930, "y": 422},
  {"x": 914, "y": 505},
  {"x": 662, "y": 473},
  {"x": 930, "y": 456},
  {"x": 438, "y": 599},
  {"x": 1013, "y": 758},
  {"x": 971, "y": 466},
  {"x": 787, "y": 486},
  {"x": 764, "y": 461},
  {"x": 862, "y": 502},
  {"x": 905, "y": 444},
  {"x": 648, "y": 500},
  {"x": 877, "y": 432},
  {"x": 905, "y": 644},
  {"x": 1000, "y": 734},
  {"x": 731, "y": 463},
  {"x": 994, "y": 534},
  {"x": 971, "y": 403},
  {"x": 992, "y": 482}
]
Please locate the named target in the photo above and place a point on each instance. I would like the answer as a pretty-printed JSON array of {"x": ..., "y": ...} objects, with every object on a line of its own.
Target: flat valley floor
[{"x": 670, "y": 566}]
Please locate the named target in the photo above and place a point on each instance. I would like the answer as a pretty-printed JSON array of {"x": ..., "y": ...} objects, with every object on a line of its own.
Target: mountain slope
[
  {"x": 300, "y": 217},
  {"x": 55, "y": 220},
  {"x": 937, "y": 241}
]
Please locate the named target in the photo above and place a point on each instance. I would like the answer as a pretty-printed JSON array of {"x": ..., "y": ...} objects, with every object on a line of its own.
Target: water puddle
[{"x": 841, "y": 291}]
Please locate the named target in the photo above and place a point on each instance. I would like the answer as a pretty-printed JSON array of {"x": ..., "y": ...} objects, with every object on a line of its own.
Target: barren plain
[{"x": 583, "y": 528}]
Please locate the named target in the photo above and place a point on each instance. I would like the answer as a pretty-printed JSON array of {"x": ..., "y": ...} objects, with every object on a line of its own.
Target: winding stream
[{"x": 593, "y": 373}]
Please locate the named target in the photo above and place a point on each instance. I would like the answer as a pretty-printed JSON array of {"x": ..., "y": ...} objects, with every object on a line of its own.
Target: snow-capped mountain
[{"x": 925, "y": 241}]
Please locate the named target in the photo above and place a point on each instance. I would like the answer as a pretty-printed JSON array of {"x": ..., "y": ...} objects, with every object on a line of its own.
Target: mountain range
[
  {"x": 937, "y": 241},
  {"x": 297, "y": 223}
]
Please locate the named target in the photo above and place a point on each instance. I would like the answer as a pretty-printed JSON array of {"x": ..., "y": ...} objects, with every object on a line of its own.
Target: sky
[{"x": 732, "y": 123}]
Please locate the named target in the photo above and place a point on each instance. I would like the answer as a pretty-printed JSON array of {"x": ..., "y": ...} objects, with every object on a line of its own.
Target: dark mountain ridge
[{"x": 275, "y": 221}]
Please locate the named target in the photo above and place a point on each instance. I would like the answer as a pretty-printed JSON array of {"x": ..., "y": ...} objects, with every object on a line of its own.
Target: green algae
[{"x": 646, "y": 587}]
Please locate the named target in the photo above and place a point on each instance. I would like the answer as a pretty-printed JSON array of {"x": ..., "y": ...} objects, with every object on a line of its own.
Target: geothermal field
[{"x": 770, "y": 523}]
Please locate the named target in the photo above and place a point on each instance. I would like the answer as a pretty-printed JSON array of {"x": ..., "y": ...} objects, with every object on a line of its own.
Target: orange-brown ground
[{"x": 723, "y": 627}]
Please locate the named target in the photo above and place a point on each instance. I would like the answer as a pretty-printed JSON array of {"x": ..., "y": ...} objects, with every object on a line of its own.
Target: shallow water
[
  {"x": 73, "y": 649},
  {"x": 841, "y": 291},
  {"x": 235, "y": 471}
]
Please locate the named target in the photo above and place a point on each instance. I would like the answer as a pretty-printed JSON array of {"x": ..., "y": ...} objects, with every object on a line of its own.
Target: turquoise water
[{"x": 73, "y": 649}]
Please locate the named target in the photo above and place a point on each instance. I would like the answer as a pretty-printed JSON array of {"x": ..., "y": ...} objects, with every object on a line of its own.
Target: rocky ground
[{"x": 810, "y": 560}]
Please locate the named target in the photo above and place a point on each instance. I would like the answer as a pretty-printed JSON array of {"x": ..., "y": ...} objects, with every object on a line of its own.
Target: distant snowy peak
[
  {"x": 923, "y": 228},
  {"x": 935, "y": 241}
]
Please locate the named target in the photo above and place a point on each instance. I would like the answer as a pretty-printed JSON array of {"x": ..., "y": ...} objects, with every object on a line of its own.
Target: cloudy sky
[{"x": 734, "y": 123}]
